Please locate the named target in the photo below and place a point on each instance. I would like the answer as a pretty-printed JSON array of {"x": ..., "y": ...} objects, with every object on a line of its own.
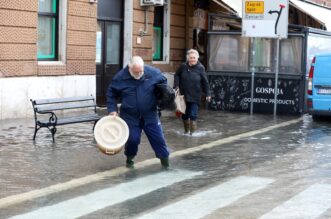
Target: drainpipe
[{"x": 143, "y": 32}]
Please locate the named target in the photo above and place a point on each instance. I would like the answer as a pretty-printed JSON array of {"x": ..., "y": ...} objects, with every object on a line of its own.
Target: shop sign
[{"x": 234, "y": 94}]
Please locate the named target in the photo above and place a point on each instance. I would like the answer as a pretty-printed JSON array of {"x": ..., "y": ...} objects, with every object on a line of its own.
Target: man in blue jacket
[{"x": 135, "y": 87}]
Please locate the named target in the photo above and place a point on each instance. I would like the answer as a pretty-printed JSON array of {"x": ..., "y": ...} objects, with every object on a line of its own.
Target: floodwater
[
  {"x": 298, "y": 155},
  {"x": 27, "y": 164}
]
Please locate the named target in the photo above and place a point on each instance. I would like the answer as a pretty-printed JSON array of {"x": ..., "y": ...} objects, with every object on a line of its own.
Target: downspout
[{"x": 145, "y": 31}]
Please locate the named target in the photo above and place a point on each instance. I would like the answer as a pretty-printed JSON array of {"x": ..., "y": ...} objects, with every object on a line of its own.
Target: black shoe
[
  {"x": 165, "y": 162},
  {"x": 129, "y": 162}
]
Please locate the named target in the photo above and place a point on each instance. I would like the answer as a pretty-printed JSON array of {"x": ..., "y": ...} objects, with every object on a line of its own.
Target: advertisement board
[{"x": 233, "y": 93}]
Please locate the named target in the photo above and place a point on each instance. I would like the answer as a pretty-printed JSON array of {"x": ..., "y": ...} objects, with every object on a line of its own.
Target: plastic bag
[{"x": 180, "y": 102}]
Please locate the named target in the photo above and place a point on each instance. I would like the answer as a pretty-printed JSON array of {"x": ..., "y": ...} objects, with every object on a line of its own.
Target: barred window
[{"x": 48, "y": 16}]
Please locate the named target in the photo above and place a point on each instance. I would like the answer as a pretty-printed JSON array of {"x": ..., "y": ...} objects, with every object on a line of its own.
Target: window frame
[{"x": 55, "y": 32}]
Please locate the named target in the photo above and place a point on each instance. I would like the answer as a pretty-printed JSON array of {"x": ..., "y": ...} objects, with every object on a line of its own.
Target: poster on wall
[{"x": 234, "y": 94}]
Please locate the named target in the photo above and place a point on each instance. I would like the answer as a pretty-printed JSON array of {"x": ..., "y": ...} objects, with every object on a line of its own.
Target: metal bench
[{"x": 68, "y": 110}]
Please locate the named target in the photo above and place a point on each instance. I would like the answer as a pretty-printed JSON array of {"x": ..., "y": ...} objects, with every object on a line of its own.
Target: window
[
  {"x": 317, "y": 43},
  {"x": 291, "y": 55},
  {"x": 161, "y": 33},
  {"x": 265, "y": 55},
  {"x": 228, "y": 53},
  {"x": 113, "y": 39},
  {"x": 48, "y": 19},
  {"x": 98, "y": 57},
  {"x": 157, "y": 43}
]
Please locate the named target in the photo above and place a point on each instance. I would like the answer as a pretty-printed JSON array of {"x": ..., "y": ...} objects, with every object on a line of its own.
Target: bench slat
[
  {"x": 49, "y": 108},
  {"x": 62, "y": 100},
  {"x": 70, "y": 120},
  {"x": 75, "y": 119}
]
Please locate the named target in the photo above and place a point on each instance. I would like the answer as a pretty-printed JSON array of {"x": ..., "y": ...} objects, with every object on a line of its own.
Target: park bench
[{"x": 49, "y": 113}]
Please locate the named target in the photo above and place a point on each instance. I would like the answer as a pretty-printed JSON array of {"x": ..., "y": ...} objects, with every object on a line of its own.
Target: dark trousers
[
  {"x": 191, "y": 111},
  {"x": 155, "y": 137}
]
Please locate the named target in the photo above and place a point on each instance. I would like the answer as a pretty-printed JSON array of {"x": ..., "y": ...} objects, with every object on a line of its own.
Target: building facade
[
  {"x": 326, "y": 3},
  {"x": 59, "y": 48},
  {"x": 47, "y": 49}
]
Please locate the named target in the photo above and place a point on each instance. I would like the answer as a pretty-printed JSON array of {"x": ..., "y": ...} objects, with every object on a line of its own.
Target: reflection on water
[{"x": 27, "y": 165}]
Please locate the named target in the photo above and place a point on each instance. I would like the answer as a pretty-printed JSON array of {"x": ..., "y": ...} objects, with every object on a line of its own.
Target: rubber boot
[
  {"x": 193, "y": 127},
  {"x": 129, "y": 162},
  {"x": 186, "y": 126},
  {"x": 165, "y": 162}
]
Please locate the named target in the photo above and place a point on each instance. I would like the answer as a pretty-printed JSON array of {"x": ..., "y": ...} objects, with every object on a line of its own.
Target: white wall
[{"x": 15, "y": 93}]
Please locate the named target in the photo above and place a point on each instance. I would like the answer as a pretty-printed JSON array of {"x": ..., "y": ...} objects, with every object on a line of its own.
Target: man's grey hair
[
  {"x": 192, "y": 51},
  {"x": 136, "y": 61}
]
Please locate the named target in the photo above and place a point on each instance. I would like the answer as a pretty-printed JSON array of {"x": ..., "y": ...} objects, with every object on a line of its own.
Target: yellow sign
[{"x": 254, "y": 7}]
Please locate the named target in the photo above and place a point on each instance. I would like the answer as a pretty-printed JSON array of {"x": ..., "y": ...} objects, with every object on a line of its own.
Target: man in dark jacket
[
  {"x": 135, "y": 86},
  {"x": 191, "y": 79}
]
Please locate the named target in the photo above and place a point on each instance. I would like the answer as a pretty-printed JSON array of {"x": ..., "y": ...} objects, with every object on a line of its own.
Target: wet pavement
[
  {"x": 27, "y": 164},
  {"x": 281, "y": 162}
]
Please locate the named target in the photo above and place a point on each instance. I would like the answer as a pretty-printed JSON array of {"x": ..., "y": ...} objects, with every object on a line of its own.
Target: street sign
[
  {"x": 254, "y": 7},
  {"x": 265, "y": 18}
]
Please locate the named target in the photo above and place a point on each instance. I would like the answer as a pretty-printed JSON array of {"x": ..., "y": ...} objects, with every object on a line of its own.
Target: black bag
[{"x": 165, "y": 96}]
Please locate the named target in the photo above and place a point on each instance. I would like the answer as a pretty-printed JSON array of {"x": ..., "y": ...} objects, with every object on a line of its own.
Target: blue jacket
[{"x": 138, "y": 100}]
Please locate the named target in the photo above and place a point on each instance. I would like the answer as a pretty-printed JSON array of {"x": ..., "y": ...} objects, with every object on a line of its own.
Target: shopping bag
[{"x": 180, "y": 102}]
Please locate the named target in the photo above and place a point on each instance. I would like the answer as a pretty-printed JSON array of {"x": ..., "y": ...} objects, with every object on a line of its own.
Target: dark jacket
[
  {"x": 192, "y": 81},
  {"x": 138, "y": 100}
]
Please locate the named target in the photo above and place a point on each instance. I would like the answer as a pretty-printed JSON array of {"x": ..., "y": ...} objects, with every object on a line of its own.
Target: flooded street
[{"x": 235, "y": 166}]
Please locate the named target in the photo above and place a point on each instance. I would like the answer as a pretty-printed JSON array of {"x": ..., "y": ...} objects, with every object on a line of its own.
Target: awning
[
  {"x": 319, "y": 13},
  {"x": 235, "y": 5}
]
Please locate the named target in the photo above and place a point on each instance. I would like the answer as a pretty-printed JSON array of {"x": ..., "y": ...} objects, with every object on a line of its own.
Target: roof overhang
[
  {"x": 233, "y": 6},
  {"x": 319, "y": 13}
]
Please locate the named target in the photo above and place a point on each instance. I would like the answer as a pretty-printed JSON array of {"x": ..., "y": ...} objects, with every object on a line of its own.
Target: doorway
[{"x": 109, "y": 46}]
